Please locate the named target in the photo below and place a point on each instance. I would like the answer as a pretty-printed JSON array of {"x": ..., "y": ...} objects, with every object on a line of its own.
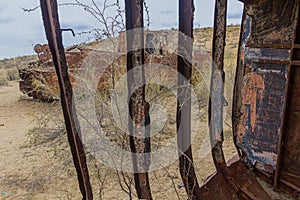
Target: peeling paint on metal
[{"x": 260, "y": 90}]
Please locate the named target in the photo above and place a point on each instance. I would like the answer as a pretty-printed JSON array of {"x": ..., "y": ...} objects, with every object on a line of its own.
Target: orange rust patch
[{"x": 252, "y": 94}]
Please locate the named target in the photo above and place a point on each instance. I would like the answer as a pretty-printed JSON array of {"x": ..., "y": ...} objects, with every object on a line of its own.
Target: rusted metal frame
[
  {"x": 183, "y": 116},
  {"x": 292, "y": 178},
  {"x": 138, "y": 107},
  {"x": 296, "y": 63},
  {"x": 287, "y": 188},
  {"x": 282, "y": 62},
  {"x": 217, "y": 84},
  {"x": 295, "y": 45},
  {"x": 239, "y": 187},
  {"x": 247, "y": 1},
  {"x": 294, "y": 187},
  {"x": 237, "y": 87},
  {"x": 271, "y": 46},
  {"x": 216, "y": 100},
  {"x": 53, "y": 33}
]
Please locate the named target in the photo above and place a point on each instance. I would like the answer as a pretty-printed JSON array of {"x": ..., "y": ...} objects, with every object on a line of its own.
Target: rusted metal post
[
  {"x": 233, "y": 184},
  {"x": 138, "y": 107},
  {"x": 237, "y": 88},
  {"x": 217, "y": 83},
  {"x": 183, "y": 116},
  {"x": 216, "y": 101},
  {"x": 53, "y": 33}
]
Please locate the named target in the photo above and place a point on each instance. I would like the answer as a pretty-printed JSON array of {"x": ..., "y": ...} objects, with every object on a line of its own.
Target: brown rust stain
[
  {"x": 215, "y": 187},
  {"x": 272, "y": 21},
  {"x": 279, "y": 34}
]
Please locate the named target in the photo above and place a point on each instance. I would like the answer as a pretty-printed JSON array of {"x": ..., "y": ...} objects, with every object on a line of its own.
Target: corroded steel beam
[
  {"x": 234, "y": 181},
  {"x": 216, "y": 100},
  {"x": 183, "y": 116},
  {"x": 138, "y": 107},
  {"x": 217, "y": 85},
  {"x": 54, "y": 37}
]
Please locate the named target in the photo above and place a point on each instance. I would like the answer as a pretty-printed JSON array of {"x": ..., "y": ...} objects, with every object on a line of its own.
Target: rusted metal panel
[
  {"x": 290, "y": 166},
  {"x": 272, "y": 21},
  {"x": 291, "y": 150},
  {"x": 270, "y": 54},
  {"x": 216, "y": 187},
  {"x": 262, "y": 107},
  {"x": 39, "y": 80},
  {"x": 53, "y": 33},
  {"x": 261, "y": 81},
  {"x": 266, "y": 55}
]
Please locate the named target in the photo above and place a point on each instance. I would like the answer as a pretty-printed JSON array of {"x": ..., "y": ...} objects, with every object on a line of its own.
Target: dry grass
[
  {"x": 57, "y": 176},
  {"x": 12, "y": 74},
  {"x": 17, "y": 62},
  {"x": 9, "y": 67},
  {"x": 3, "y": 79},
  {"x": 204, "y": 38}
]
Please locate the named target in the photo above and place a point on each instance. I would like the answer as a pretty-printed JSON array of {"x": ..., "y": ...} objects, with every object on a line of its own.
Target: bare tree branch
[
  {"x": 147, "y": 13},
  {"x": 30, "y": 9}
]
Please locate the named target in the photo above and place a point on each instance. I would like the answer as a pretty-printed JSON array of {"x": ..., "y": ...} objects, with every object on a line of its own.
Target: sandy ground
[
  {"x": 24, "y": 171},
  {"x": 36, "y": 172},
  {"x": 16, "y": 118}
]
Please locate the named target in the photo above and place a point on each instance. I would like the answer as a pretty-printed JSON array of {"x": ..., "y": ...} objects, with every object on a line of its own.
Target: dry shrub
[
  {"x": 12, "y": 74},
  {"x": 3, "y": 80}
]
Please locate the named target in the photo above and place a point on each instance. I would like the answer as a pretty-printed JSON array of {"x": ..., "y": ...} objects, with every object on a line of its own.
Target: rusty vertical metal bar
[
  {"x": 235, "y": 181},
  {"x": 217, "y": 83},
  {"x": 54, "y": 37},
  {"x": 138, "y": 107},
  {"x": 216, "y": 100},
  {"x": 183, "y": 116},
  {"x": 237, "y": 88}
]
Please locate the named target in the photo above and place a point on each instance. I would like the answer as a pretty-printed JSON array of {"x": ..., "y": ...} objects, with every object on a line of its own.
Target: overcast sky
[{"x": 20, "y": 31}]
